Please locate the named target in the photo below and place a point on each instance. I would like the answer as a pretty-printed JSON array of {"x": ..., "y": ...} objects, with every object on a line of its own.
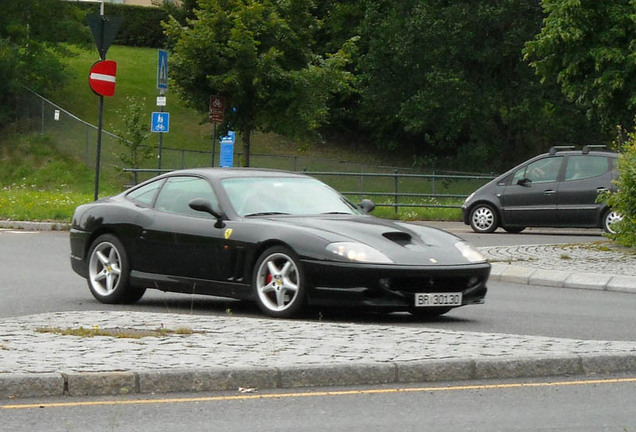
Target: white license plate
[{"x": 438, "y": 299}]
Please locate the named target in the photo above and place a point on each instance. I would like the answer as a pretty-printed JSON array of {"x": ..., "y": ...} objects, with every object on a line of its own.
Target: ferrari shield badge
[{"x": 228, "y": 233}]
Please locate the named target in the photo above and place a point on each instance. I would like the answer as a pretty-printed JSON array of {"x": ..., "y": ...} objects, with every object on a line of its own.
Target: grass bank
[{"x": 45, "y": 174}]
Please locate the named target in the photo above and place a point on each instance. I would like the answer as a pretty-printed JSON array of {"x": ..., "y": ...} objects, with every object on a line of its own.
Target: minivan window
[
  {"x": 541, "y": 171},
  {"x": 586, "y": 166}
]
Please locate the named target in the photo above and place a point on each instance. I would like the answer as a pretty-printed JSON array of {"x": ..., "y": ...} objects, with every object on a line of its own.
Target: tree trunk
[{"x": 246, "y": 135}]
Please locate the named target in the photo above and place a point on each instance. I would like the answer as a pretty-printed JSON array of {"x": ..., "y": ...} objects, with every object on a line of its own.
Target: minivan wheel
[
  {"x": 483, "y": 218},
  {"x": 610, "y": 218}
]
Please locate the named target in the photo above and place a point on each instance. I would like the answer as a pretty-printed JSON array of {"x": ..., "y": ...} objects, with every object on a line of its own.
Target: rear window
[{"x": 586, "y": 166}]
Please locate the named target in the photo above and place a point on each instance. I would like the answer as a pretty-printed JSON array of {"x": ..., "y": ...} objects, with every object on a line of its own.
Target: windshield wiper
[{"x": 265, "y": 214}]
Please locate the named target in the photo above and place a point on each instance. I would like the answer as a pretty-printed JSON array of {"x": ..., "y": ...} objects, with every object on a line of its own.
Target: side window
[
  {"x": 177, "y": 193},
  {"x": 544, "y": 170},
  {"x": 145, "y": 195},
  {"x": 585, "y": 166}
]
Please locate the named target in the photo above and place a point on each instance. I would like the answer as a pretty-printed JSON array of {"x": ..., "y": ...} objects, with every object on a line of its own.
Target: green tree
[
  {"x": 449, "y": 79},
  {"x": 588, "y": 47},
  {"x": 30, "y": 35},
  {"x": 260, "y": 55},
  {"x": 134, "y": 135}
]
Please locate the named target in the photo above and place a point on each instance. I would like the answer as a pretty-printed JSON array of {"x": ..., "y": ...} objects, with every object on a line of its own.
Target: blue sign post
[
  {"x": 227, "y": 150},
  {"x": 160, "y": 122}
]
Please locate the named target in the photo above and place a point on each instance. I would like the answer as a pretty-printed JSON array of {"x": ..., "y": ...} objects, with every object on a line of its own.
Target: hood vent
[{"x": 398, "y": 237}]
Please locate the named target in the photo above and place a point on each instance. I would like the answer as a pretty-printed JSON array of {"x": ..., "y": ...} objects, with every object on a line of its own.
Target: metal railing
[{"x": 399, "y": 188}]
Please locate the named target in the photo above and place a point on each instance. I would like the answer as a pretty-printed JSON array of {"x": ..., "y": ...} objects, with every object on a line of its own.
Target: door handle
[{"x": 549, "y": 192}]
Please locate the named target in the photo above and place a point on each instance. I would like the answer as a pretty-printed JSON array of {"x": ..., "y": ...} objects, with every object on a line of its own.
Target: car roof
[
  {"x": 224, "y": 173},
  {"x": 588, "y": 149}
]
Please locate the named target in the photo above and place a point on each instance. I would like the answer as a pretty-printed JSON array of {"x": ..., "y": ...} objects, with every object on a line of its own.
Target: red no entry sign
[{"x": 102, "y": 77}]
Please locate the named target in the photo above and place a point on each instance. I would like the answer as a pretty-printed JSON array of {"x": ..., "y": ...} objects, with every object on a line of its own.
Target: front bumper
[{"x": 391, "y": 287}]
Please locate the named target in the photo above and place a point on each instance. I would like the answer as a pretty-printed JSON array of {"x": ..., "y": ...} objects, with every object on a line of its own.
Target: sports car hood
[{"x": 403, "y": 243}]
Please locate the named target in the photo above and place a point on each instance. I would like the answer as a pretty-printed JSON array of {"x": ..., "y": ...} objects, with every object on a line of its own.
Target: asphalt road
[
  {"x": 581, "y": 405},
  {"x": 35, "y": 277}
]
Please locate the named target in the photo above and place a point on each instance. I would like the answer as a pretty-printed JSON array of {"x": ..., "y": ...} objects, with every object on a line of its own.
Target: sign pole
[
  {"x": 213, "y": 143},
  {"x": 99, "y": 147},
  {"x": 216, "y": 115},
  {"x": 160, "y": 141},
  {"x": 104, "y": 30},
  {"x": 162, "y": 86}
]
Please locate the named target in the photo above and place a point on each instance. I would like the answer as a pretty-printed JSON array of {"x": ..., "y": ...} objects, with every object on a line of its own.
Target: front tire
[
  {"x": 279, "y": 282},
  {"x": 108, "y": 272},
  {"x": 483, "y": 218}
]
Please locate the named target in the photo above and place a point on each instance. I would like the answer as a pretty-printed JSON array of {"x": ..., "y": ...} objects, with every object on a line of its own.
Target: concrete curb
[
  {"x": 563, "y": 279},
  {"x": 224, "y": 379},
  {"x": 35, "y": 226}
]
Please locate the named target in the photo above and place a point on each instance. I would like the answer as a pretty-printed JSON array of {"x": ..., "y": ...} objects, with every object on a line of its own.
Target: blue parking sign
[{"x": 160, "y": 122}]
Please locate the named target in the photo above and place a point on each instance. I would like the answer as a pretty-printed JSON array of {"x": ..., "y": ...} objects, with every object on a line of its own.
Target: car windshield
[{"x": 257, "y": 196}]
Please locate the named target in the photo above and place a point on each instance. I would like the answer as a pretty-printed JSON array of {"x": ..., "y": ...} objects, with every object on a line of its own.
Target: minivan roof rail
[
  {"x": 587, "y": 148},
  {"x": 555, "y": 149}
]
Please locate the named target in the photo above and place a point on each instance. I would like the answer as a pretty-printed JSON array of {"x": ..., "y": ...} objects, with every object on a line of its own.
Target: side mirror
[
  {"x": 366, "y": 206},
  {"x": 524, "y": 182},
  {"x": 203, "y": 205}
]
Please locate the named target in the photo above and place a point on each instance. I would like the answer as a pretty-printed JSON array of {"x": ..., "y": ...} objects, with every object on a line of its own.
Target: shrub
[{"x": 624, "y": 200}]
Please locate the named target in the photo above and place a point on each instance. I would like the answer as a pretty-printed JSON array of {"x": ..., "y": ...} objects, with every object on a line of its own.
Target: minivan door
[{"x": 530, "y": 199}]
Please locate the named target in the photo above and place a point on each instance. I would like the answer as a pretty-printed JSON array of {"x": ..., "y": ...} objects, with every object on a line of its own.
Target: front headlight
[
  {"x": 469, "y": 252},
  {"x": 469, "y": 198},
  {"x": 358, "y": 252}
]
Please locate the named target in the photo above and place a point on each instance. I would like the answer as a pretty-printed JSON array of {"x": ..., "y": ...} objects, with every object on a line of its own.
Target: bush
[{"x": 624, "y": 200}]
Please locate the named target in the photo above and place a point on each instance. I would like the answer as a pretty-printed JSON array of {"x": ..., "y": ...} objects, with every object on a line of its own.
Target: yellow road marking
[{"x": 321, "y": 394}]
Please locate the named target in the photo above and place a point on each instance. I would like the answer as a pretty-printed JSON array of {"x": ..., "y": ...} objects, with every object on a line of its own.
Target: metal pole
[
  {"x": 213, "y": 143},
  {"x": 395, "y": 187},
  {"x": 99, "y": 146}
]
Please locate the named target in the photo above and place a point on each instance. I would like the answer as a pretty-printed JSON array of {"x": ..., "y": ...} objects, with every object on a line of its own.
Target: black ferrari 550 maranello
[{"x": 284, "y": 240}]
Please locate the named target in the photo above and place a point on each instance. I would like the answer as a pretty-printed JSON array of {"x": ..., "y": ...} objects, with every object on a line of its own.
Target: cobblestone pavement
[
  {"x": 598, "y": 265},
  {"x": 253, "y": 342},
  {"x": 226, "y": 352},
  {"x": 598, "y": 257}
]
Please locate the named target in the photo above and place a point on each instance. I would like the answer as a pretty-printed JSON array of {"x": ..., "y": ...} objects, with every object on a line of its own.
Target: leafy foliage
[
  {"x": 135, "y": 134},
  {"x": 259, "y": 55},
  {"x": 29, "y": 33},
  {"x": 448, "y": 78},
  {"x": 624, "y": 200},
  {"x": 587, "y": 47}
]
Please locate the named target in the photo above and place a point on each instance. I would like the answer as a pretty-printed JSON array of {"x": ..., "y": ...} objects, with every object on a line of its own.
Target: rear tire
[
  {"x": 610, "y": 218},
  {"x": 108, "y": 272}
]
